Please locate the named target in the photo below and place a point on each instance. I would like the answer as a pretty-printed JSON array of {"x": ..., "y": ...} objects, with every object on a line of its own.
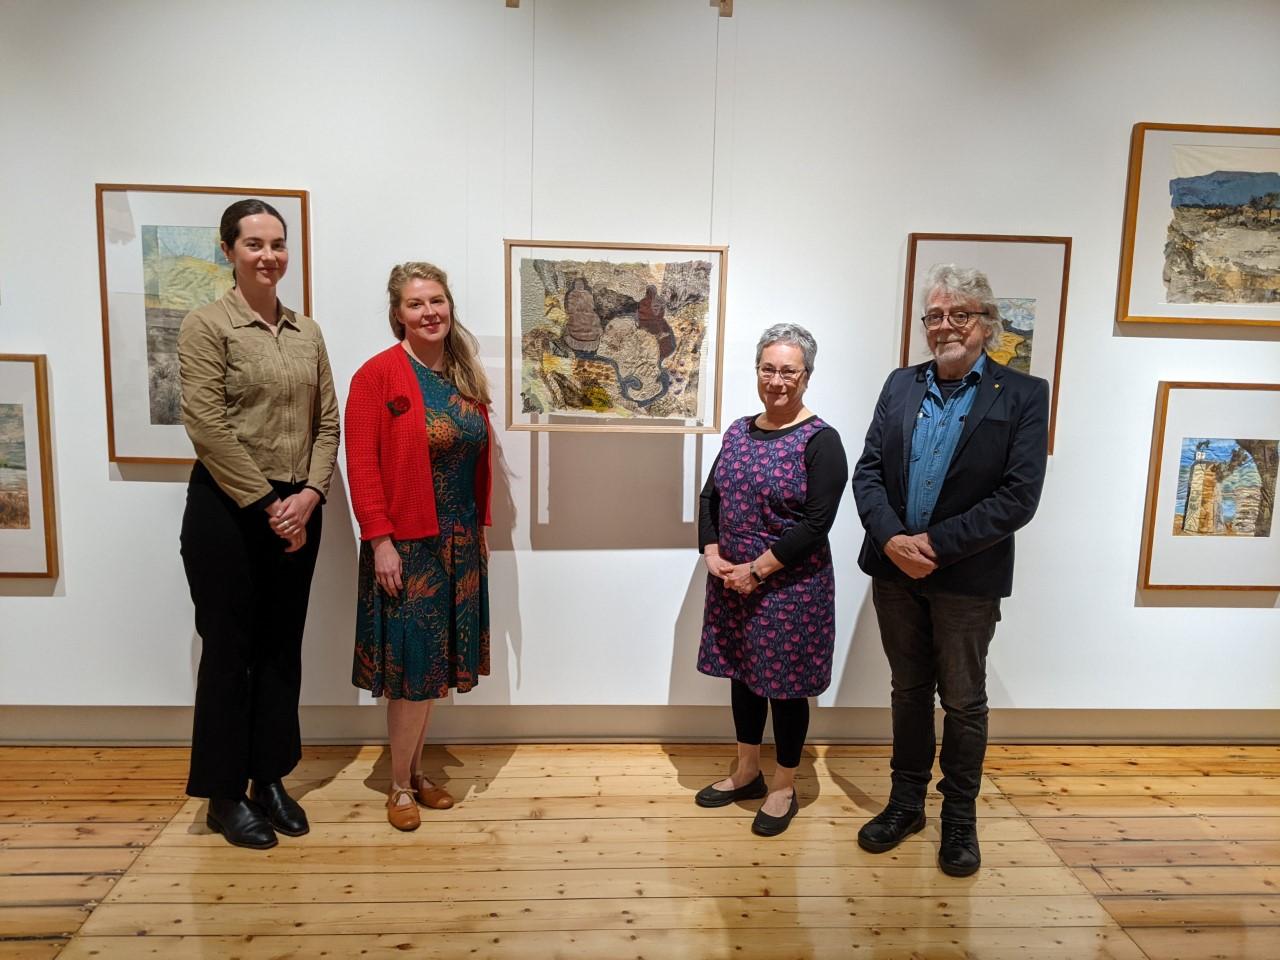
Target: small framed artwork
[
  {"x": 614, "y": 337},
  {"x": 1029, "y": 277},
  {"x": 1201, "y": 226},
  {"x": 159, "y": 258},
  {"x": 28, "y": 532},
  {"x": 1212, "y": 492}
]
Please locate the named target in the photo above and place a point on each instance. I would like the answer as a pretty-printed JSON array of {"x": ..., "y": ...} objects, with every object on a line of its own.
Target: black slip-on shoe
[
  {"x": 766, "y": 825},
  {"x": 711, "y": 797}
]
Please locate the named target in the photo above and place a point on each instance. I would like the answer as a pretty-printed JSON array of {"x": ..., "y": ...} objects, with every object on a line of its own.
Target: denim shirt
[{"x": 933, "y": 441}]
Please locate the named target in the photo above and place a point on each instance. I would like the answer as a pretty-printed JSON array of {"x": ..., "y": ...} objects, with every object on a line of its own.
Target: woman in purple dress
[{"x": 769, "y": 620}]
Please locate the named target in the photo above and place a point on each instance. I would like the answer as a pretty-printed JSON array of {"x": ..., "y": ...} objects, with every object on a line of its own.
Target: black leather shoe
[
  {"x": 282, "y": 810},
  {"x": 766, "y": 825},
  {"x": 711, "y": 797},
  {"x": 889, "y": 828},
  {"x": 958, "y": 855},
  {"x": 240, "y": 822}
]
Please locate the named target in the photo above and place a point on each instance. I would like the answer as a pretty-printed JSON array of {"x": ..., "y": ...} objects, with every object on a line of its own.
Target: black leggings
[{"x": 790, "y": 722}]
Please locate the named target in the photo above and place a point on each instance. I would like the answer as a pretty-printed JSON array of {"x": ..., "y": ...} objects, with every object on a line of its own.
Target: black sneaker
[
  {"x": 711, "y": 797},
  {"x": 889, "y": 828},
  {"x": 959, "y": 855}
]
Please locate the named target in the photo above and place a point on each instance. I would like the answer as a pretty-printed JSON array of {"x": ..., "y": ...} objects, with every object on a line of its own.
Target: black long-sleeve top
[{"x": 828, "y": 471}]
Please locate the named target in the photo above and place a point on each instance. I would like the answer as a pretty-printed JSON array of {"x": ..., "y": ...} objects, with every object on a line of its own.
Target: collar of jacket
[{"x": 241, "y": 315}]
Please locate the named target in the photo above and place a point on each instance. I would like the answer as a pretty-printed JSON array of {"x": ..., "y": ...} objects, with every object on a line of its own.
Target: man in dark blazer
[{"x": 953, "y": 464}]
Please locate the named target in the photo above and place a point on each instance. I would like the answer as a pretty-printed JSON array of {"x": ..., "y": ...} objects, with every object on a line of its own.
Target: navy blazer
[{"x": 990, "y": 490}]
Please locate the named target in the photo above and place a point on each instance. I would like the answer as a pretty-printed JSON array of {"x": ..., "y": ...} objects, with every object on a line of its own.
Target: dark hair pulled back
[{"x": 229, "y": 228}]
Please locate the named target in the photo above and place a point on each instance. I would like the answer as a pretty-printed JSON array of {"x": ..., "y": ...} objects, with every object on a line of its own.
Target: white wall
[{"x": 811, "y": 137}]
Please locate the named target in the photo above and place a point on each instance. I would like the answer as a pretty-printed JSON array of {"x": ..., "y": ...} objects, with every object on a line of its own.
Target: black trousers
[
  {"x": 790, "y": 722},
  {"x": 937, "y": 642},
  {"x": 251, "y": 606}
]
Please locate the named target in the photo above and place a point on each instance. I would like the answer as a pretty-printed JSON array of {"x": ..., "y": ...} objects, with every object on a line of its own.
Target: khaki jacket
[{"x": 257, "y": 407}]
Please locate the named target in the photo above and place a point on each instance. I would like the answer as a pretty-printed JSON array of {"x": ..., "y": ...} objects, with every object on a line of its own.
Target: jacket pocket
[{"x": 247, "y": 365}]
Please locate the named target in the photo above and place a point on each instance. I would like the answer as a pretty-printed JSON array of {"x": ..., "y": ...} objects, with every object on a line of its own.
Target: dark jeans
[
  {"x": 937, "y": 641},
  {"x": 790, "y": 722},
  {"x": 251, "y": 606}
]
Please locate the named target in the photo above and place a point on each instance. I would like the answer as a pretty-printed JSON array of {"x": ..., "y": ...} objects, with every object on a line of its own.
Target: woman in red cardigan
[{"x": 418, "y": 462}]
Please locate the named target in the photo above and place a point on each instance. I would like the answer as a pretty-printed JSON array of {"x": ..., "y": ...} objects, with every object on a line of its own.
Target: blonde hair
[{"x": 462, "y": 365}]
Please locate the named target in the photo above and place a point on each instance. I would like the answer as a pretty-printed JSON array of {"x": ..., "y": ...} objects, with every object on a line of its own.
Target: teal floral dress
[{"x": 435, "y": 635}]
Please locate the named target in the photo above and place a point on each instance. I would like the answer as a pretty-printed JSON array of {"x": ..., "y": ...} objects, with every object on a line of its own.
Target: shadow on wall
[
  {"x": 331, "y": 618},
  {"x": 609, "y": 491},
  {"x": 506, "y": 635},
  {"x": 864, "y": 677},
  {"x": 687, "y": 685}
]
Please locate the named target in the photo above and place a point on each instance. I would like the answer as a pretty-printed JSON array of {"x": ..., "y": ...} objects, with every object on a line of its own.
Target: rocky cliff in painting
[{"x": 1223, "y": 244}]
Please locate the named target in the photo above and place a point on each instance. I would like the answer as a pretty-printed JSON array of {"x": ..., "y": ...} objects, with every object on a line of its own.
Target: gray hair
[
  {"x": 966, "y": 284},
  {"x": 793, "y": 334}
]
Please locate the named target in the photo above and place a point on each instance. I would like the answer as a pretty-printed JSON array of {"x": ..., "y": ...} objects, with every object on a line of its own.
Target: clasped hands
[
  {"x": 913, "y": 554},
  {"x": 736, "y": 576},
  {"x": 288, "y": 517}
]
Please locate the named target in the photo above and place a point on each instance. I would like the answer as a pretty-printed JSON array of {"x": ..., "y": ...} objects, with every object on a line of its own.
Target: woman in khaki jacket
[{"x": 259, "y": 405}]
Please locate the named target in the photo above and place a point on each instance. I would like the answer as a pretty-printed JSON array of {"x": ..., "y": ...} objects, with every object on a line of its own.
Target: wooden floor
[{"x": 597, "y": 851}]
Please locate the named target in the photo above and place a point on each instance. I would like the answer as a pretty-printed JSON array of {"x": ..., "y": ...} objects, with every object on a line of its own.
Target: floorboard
[{"x": 597, "y": 851}]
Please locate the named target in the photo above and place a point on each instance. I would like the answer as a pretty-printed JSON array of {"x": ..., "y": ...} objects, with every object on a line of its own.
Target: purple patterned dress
[{"x": 778, "y": 640}]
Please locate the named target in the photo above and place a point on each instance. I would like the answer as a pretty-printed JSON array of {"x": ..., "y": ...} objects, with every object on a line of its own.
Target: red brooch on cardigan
[{"x": 398, "y": 405}]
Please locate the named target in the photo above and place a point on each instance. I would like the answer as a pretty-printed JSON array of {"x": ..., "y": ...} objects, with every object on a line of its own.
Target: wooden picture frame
[
  {"x": 1210, "y": 521},
  {"x": 158, "y": 259},
  {"x": 614, "y": 337},
  {"x": 1201, "y": 240},
  {"x": 28, "y": 524},
  {"x": 1029, "y": 276}
]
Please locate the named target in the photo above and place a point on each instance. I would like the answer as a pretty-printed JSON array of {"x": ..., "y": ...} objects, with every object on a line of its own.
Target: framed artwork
[
  {"x": 158, "y": 259},
  {"x": 1212, "y": 493},
  {"x": 614, "y": 337},
  {"x": 1029, "y": 278},
  {"x": 28, "y": 532},
  {"x": 1202, "y": 226}
]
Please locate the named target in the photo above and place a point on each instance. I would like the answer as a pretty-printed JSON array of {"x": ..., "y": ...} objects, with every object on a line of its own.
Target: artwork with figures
[
  {"x": 622, "y": 339},
  {"x": 15, "y": 496},
  {"x": 1202, "y": 226},
  {"x": 183, "y": 268},
  {"x": 1226, "y": 488},
  {"x": 1215, "y": 458},
  {"x": 160, "y": 257}
]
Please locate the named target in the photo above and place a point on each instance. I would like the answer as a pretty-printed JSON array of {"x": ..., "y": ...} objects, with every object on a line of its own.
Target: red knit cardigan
[{"x": 388, "y": 458}]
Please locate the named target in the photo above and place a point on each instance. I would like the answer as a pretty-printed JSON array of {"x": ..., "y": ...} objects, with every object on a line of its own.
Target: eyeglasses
[
  {"x": 788, "y": 375},
  {"x": 960, "y": 320}
]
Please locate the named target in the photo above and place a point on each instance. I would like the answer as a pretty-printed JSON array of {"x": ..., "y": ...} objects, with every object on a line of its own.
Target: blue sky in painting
[
  {"x": 1222, "y": 188},
  {"x": 1218, "y": 451}
]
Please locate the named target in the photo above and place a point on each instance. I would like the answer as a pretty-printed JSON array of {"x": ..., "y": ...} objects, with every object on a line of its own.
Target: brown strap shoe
[
  {"x": 402, "y": 816},
  {"x": 429, "y": 795}
]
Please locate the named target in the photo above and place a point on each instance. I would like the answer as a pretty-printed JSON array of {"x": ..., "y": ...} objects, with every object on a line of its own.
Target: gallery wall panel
[{"x": 809, "y": 138}]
